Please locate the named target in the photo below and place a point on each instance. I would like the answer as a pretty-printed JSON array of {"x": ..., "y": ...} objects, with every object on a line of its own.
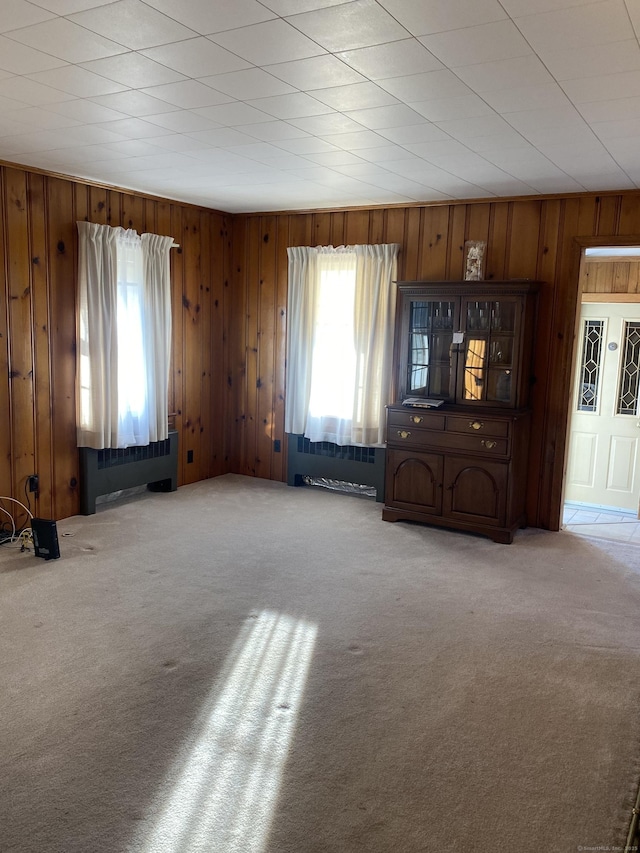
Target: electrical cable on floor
[{"x": 15, "y": 535}]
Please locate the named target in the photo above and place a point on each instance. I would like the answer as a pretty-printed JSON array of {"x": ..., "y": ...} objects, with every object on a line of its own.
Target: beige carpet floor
[{"x": 243, "y": 667}]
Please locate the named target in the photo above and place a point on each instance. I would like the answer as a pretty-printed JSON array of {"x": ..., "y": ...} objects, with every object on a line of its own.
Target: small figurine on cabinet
[{"x": 474, "y": 265}]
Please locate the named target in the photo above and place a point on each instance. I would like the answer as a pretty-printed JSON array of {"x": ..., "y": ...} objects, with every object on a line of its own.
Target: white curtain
[
  {"x": 124, "y": 333},
  {"x": 341, "y": 310}
]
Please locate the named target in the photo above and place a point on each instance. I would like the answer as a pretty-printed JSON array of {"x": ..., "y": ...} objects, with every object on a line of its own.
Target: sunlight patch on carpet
[{"x": 224, "y": 795}]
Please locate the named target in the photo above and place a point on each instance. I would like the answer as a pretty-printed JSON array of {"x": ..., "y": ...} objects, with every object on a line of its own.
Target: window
[
  {"x": 124, "y": 333},
  {"x": 341, "y": 308}
]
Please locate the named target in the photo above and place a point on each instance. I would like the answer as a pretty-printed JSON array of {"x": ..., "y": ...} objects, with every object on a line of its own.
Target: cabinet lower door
[
  {"x": 475, "y": 490},
  {"x": 414, "y": 481}
]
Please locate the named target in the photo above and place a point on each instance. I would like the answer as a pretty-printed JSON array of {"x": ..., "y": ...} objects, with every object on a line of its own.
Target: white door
[{"x": 604, "y": 439}]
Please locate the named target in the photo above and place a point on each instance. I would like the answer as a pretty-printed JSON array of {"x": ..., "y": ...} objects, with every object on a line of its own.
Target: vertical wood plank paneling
[
  {"x": 132, "y": 212},
  {"x": 61, "y": 251},
  {"x": 356, "y": 227},
  {"x": 235, "y": 310},
  {"x": 248, "y": 453},
  {"x": 217, "y": 366},
  {"x": 21, "y": 352},
  {"x": 98, "y": 205},
  {"x": 608, "y": 215},
  {"x": 279, "y": 463},
  {"x": 433, "y": 260},
  {"x": 321, "y": 229},
  {"x": 376, "y": 227},
  {"x": 499, "y": 237},
  {"x": 522, "y": 251},
  {"x": 6, "y": 482},
  {"x": 394, "y": 233},
  {"x": 265, "y": 404},
  {"x": 177, "y": 403},
  {"x": 41, "y": 341},
  {"x": 412, "y": 240},
  {"x": 337, "y": 232},
  {"x": 455, "y": 242},
  {"x": 204, "y": 252},
  {"x": 192, "y": 345}
]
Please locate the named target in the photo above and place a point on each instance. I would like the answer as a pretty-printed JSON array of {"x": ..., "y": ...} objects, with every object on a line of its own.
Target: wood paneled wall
[
  {"x": 229, "y": 281},
  {"x": 526, "y": 238},
  {"x": 38, "y": 260},
  {"x": 611, "y": 277}
]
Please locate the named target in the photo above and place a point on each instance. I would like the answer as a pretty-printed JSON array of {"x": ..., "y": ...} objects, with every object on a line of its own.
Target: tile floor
[{"x": 606, "y": 524}]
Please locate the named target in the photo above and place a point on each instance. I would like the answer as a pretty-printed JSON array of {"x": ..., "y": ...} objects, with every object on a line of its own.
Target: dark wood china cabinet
[{"x": 457, "y": 457}]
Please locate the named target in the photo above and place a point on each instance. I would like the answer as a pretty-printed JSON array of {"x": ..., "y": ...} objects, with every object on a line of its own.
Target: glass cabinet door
[
  {"x": 487, "y": 352},
  {"x": 429, "y": 356}
]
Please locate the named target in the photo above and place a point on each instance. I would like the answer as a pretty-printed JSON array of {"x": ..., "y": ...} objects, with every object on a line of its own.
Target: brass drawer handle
[
  {"x": 403, "y": 433},
  {"x": 488, "y": 444},
  {"x": 476, "y": 424},
  {"x": 416, "y": 419}
]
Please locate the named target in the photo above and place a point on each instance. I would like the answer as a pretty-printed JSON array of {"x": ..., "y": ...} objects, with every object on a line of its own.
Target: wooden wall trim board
[{"x": 229, "y": 291}]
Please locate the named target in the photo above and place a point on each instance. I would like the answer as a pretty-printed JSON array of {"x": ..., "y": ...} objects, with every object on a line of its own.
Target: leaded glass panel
[
  {"x": 630, "y": 371},
  {"x": 593, "y": 331}
]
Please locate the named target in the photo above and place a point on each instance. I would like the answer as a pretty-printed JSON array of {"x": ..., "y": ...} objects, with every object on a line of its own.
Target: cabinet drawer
[
  {"x": 448, "y": 440},
  {"x": 411, "y": 418},
  {"x": 478, "y": 425}
]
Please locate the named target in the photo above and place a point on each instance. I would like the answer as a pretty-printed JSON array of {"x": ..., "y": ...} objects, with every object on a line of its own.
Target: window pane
[
  {"x": 592, "y": 333},
  {"x": 630, "y": 371}
]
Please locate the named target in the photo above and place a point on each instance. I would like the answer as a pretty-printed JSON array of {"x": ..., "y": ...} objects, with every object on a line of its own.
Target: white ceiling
[{"x": 247, "y": 105}]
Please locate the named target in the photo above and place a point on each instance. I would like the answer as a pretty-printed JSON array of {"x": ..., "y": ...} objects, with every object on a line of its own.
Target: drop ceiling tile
[
  {"x": 518, "y": 8},
  {"x": 604, "y": 130},
  {"x": 364, "y": 139},
  {"x": 578, "y": 27},
  {"x": 66, "y": 40},
  {"x": 77, "y": 81},
  {"x": 618, "y": 110},
  {"x": 600, "y": 59},
  {"x": 19, "y": 13},
  {"x": 394, "y": 59},
  {"x": 364, "y": 170},
  {"x": 378, "y": 118},
  {"x": 234, "y": 113},
  {"x": 385, "y": 153},
  {"x": 540, "y": 119},
  {"x": 494, "y": 143},
  {"x": 248, "y": 84},
  {"x": 135, "y": 103},
  {"x": 132, "y": 148},
  {"x": 450, "y": 108},
  {"x": 206, "y": 17},
  {"x": 360, "y": 23},
  {"x": 271, "y": 131},
  {"x": 182, "y": 121},
  {"x": 422, "y": 17},
  {"x": 495, "y": 76},
  {"x": 424, "y": 132},
  {"x": 188, "y": 95},
  {"x": 270, "y": 42},
  {"x": 11, "y": 127},
  {"x": 625, "y": 84},
  {"x": 317, "y": 72},
  {"x": 263, "y": 152},
  {"x": 438, "y": 149},
  {"x": 225, "y": 137},
  {"x": 296, "y": 105},
  {"x": 518, "y": 98},
  {"x": 471, "y": 128},
  {"x": 85, "y": 112},
  {"x": 180, "y": 143},
  {"x": 472, "y": 45},
  {"x": 422, "y": 87},
  {"x": 132, "y": 23},
  {"x": 332, "y": 122},
  {"x": 355, "y": 96},
  {"x": 36, "y": 117},
  {"x": 614, "y": 180},
  {"x": 307, "y": 145},
  {"x": 135, "y": 128},
  {"x": 196, "y": 57},
  {"x": 29, "y": 92},
  {"x": 20, "y": 59},
  {"x": 334, "y": 159},
  {"x": 133, "y": 70}
]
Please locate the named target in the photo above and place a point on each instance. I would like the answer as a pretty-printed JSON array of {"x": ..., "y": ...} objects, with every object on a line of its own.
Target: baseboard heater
[
  {"x": 105, "y": 471},
  {"x": 325, "y": 460}
]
